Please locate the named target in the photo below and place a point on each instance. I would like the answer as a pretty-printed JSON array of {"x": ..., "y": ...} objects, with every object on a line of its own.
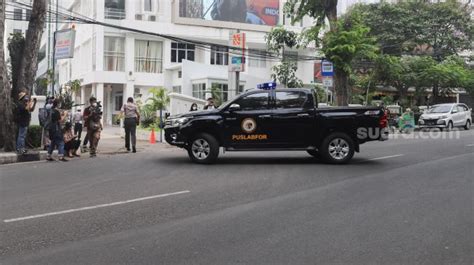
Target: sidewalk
[{"x": 111, "y": 143}]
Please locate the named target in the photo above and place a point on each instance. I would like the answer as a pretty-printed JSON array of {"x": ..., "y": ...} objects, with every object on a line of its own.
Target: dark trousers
[
  {"x": 94, "y": 137},
  {"x": 72, "y": 145},
  {"x": 78, "y": 130},
  {"x": 130, "y": 125},
  {"x": 86, "y": 139}
]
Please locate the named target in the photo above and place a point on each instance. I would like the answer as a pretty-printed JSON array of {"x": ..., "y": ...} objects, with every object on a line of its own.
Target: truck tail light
[{"x": 383, "y": 122}]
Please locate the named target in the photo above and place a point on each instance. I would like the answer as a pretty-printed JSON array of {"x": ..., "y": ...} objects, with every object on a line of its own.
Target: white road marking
[
  {"x": 95, "y": 206},
  {"x": 385, "y": 157},
  {"x": 469, "y": 145}
]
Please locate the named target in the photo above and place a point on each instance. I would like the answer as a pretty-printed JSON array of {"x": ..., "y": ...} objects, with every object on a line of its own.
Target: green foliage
[
  {"x": 438, "y": 29},
  {"x": 33, "y": 137},
  {"x": 147, "y": 116},
  {"x": 321, "y": 93},
  {"x": 66, "y": 100},
  {"x": 319, "y": 10},
  {"x": 350, "y": 41},
  {"x": 159, "y": 99},
  {"x": 279, "y": 38},
  {"x": 285, "y": 73},
  {"x": 75, "y": 85},
  {"x": 216, "y": 93},
  {"x": 16, "y": 43}
]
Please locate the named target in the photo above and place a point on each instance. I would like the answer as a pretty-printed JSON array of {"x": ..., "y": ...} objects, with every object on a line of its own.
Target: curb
[{"x": 10, "y": 158}]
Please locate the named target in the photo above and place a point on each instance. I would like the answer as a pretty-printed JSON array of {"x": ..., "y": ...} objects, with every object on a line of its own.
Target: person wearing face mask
[
  {"x": 55, "y": 132},
  {"x": 92, "y": 117},
  {"x": 194, "y": 107}
]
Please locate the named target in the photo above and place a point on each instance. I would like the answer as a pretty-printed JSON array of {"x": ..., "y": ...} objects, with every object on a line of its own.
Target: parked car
[
  {"x": 446, "y": 117},
  {"x": 281, "y": 119}
]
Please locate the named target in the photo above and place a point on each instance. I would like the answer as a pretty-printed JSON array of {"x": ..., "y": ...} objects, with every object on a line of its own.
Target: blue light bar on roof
[{"x": 267, "y": 86}]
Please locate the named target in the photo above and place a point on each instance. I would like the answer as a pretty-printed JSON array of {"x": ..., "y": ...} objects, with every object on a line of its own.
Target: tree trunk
[
  {"x": 402, "y": 93},
  {"x": 331, "y": 13},
  {"x": 29, "y": 63},
  {"x": 341, "y": 83},
  {"x": 7, "y": 124}
]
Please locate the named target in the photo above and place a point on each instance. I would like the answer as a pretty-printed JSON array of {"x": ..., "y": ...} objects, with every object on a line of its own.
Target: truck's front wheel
[
  {"x": 337, "y": 148},
  {"x": 203, "y": 149}
]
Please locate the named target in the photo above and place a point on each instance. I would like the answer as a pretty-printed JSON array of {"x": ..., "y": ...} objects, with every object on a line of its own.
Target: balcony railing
[{"x": 114, "y": 13}]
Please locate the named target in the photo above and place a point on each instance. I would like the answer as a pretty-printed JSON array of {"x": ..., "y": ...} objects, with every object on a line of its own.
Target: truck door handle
[
  {"x": 264, "y": 116},
  {"x": 303, "y": 115}
]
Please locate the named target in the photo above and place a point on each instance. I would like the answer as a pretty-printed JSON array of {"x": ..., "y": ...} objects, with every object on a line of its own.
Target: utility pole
[{"x": 54, "y": 47}]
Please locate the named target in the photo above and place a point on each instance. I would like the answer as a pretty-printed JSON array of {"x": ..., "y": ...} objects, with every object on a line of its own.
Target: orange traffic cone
[{"x": 152, "y": 136}]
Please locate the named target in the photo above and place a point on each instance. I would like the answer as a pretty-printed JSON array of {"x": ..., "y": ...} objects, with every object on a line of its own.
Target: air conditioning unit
[
  {"x": 151, "y": 18},
  {"x": 138, "y": 17}
]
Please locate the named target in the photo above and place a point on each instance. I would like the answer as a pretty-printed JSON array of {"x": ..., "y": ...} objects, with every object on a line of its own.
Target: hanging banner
[
  {"x": 64, "y": 44},
  {"x": 237, "y": 56}
]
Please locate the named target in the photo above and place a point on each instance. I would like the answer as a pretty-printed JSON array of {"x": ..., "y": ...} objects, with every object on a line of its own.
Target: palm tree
[{"x": 159, "y": 99}]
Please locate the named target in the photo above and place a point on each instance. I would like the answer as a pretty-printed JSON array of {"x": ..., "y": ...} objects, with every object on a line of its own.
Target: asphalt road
[{"x": 404, "y": 201}]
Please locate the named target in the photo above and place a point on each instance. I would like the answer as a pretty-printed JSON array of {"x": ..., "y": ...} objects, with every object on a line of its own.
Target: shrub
[{"x": 33, "y": 138}]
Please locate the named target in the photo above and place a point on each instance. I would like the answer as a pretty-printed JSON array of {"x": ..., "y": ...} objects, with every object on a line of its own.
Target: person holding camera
[
  {"x": 24, "y": 109},
  {"x": 132, "y": 119},
  {"x": 92, "y": 117}
]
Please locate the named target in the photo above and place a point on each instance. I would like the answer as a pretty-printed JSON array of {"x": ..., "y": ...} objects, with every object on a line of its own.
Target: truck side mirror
[{"x": 234, "y": 107}]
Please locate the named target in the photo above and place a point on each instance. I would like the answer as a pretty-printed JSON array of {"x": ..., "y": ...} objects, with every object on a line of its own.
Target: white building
[{"x": 115, "y": 64}]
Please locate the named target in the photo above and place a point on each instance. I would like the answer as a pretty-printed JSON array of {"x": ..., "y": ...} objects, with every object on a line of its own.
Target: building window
[
  {"x": 180, "y": 74},
  {"x": 18, "y": 14},
  {"x": 118, "y": 102},
  {"x": 182, "y": 51},
  {"x": 148, "y": 5},
  {"x": 199, "y": 90},
  {"x": 258, "y": 61},
  {"x": 148, "y": 56},
  {"x": 219, "y": 55},
  {"x": 241, "y": 89},
  {"x": 177, "y": 89},
  {"x": 222, "y": 91},
  {"x": 114, "y": 9},
  {"x": 114, "y": 54},
  {"x": 28, "y": 14}
]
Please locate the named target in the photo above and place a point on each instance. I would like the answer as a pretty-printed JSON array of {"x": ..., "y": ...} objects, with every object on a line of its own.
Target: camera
[{"x": 96, "y": 110}]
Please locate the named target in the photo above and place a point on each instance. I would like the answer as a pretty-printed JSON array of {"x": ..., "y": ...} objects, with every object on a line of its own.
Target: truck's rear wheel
[
  {"x": 203, "y": 149},
  {"x": 337, "y": 148}
]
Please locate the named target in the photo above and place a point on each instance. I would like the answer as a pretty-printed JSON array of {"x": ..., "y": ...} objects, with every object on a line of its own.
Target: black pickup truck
[{"x": 281, "y": 119}]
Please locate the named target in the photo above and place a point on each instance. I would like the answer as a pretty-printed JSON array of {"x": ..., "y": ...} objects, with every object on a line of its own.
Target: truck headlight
[{"x": 179, "y": 121}]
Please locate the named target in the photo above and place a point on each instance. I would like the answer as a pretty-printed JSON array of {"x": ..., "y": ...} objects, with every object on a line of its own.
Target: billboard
[{"x": 255, "y": 12}]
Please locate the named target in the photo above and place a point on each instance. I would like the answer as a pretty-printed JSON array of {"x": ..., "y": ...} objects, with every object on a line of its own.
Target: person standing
[
  {"x": 92, "y": 117},
  {"x": 24, "y": 108},
  {"x": 55, "y": 132},
  {"x": 210, "y": 104},
  {"x": 77, "y": 119},
  {"x": 132, "y": 119},
  {"x": 194, "y": 107}
]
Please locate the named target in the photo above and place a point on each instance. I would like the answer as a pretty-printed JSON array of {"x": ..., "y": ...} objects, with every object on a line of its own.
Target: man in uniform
[{"x": 92, "y": 117}]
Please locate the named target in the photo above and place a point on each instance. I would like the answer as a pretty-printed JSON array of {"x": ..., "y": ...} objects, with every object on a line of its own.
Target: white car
[{"x": 446, "y": 117}]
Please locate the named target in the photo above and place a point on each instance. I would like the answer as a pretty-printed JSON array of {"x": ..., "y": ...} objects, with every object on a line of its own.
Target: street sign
[
  {"x": 237, "y": 56},
  {"x": 328, "y": 81},
  {"x": 327, "y": 68},
  {"x": 64, "y": 44}
]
